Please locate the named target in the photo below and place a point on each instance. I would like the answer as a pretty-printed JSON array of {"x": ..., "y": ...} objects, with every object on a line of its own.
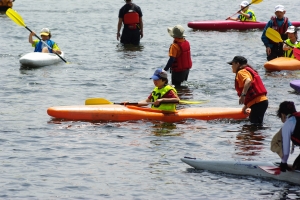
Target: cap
[
  {"x": 244, "y": 3},
  {"x": 158, "y": 74},
  {"x": 45, "y": 31},
  {"x": 176, "y": 32},
  {"x": 279, "y": 8},
  {"x": 291, "y": 29},
  {"x": 238, "y": 59}
]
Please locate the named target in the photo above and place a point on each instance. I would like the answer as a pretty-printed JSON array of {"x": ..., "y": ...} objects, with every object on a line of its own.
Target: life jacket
[
  {"x": 183, "y": 61},
  {"x": 6, "y": 3},
  {"x": 256, "y": 88},
  {"x": 282, "y": 29},
  {"x": 131, "y": 18},
  {"x": 243, "y": 18},
  {"x": 290, "y": 53},
  {"x": 158, "y": 94},
  {"x": 295, "y": 137},
  {"x": 38, "y": 47}
]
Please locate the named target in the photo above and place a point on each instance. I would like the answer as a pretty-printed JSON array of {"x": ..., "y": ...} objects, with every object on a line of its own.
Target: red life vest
[
  {"x": 282, "y": 29},
  {"x": 256, "y": 88},
  {"x": 183, "y": 61},
  {"x": 131, "y": 18}
]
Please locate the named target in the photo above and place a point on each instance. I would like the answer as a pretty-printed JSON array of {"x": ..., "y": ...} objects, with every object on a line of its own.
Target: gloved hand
[
  {"x": 166, "y": 69},
  {"x": 284, "y": 167}
]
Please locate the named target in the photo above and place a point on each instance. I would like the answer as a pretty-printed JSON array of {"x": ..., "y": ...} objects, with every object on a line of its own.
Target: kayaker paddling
[
  {"x": 45, "y": 46},
  {"x": 291, "y": 43},
  {"x": 163, "y": 95},
  {"x": 245, "y": 13}
]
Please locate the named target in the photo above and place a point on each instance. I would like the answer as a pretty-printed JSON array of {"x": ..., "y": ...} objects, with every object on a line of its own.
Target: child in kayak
[
  {"x": 289, "y": 132},
  {"x": 245, "y": 13},
  {"x": 291, "y": 42},
  {"x": 250, "y": 89},
  {"x": 163, "y": 95},
  {"x": 44, "y": 46}
]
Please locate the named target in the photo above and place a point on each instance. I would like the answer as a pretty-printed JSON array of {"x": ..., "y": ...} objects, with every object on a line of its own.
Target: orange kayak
[
  {"x": 282, "y": 63},
  {"x": 120, "y": 113}
]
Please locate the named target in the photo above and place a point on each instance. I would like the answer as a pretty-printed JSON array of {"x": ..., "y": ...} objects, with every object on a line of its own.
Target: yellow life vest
[
  {"x": 290, "y": 53},
  {"x": 159, "y": 93},
  {"x": 243, "y": 18}
]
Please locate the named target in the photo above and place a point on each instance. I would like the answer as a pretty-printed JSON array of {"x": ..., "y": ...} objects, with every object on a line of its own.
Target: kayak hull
[
  {"x": 120, "y": 113},
  {"x": 38, "y": 59},
  {"x": 295, "y": 84},
  {"x": 282, "y": 63},
  {"x": 229, "y": 24},
  {"x": 250, "y": 168}
]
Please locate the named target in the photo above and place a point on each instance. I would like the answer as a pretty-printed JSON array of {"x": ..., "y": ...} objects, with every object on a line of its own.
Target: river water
[{"x": 43, "y": 158}]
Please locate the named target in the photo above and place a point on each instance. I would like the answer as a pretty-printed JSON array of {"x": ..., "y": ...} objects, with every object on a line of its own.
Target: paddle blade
[
  {"x": 256, "y": 1},
  {"x": 13, "y": 15},
  {"x": 296, "y": 53},
  {"x": 273, "y": 35},
  {"x": 271, "y": 170},
  {"x": 97, "y": 101},
  {"x": 191, "y": 102}
]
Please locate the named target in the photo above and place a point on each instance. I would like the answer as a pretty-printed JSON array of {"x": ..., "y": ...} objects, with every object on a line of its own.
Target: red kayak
[{"x": 229, "y": 24}]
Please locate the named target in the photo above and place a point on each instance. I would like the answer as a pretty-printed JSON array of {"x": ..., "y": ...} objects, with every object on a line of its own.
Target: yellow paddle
[
  {"x": 100, "y": 101},
  {"x": 13, "y": 15},
  {"x": 276, "y": 37},
  {"x": 252, "y": 2}
]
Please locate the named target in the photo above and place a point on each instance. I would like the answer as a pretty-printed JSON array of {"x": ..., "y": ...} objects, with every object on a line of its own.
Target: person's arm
[
  {"x": 119, "y": 28},
  {"x": 247, "y": 84},
  {"x": 30, "y": 39},
  {"x": 247, "y": 15},
  {"x": 264, "y": 38},
  {"x": 169, "y": 64},
  {"x": 55, "y": 49},
  {"x": 141, "y": 27},
  {"x": 170, "y": 97},
  {"x": 286, "y": 47}
]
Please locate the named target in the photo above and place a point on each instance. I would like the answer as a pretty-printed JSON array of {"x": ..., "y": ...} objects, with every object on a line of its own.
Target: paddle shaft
[{"x": 99, "y": 101}]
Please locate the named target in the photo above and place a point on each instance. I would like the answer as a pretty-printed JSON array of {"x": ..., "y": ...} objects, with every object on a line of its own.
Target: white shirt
[{"x": 287, "y": 130}]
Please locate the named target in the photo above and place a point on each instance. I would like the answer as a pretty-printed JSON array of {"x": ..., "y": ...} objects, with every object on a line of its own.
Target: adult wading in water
[{"x": 131, "y": 16}]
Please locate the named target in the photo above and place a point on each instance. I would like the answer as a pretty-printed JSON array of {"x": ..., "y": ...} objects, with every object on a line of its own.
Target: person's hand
[
  {"x": 284, "y": 167},
  {"x": 268, "y": 50},
  {"x": 242, "y": 100},
  {"x": 32, "y": 33},
  {"x": 158, "y": 102},
  {"x": 118, "y": 36},
  {"x": 293, "y": 148},
  {"x": 125, "y": 102},
  {"x": 142, "y": 34}
]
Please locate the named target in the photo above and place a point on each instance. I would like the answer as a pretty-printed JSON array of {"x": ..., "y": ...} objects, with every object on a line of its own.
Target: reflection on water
[
  {"x": 163, "y": 129},
  {"x": 250, "y": 141}
]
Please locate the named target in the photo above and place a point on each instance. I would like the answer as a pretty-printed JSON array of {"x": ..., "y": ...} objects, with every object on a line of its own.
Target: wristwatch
[{"x": 243, "y": 94}]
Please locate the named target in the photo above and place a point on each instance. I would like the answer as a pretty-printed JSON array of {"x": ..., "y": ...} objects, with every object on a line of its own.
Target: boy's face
[{"x": 279, "y": 14}]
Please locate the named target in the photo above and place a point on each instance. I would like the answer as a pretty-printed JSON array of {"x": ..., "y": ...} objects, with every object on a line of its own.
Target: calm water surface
[{"x": 42, "y": 158}]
